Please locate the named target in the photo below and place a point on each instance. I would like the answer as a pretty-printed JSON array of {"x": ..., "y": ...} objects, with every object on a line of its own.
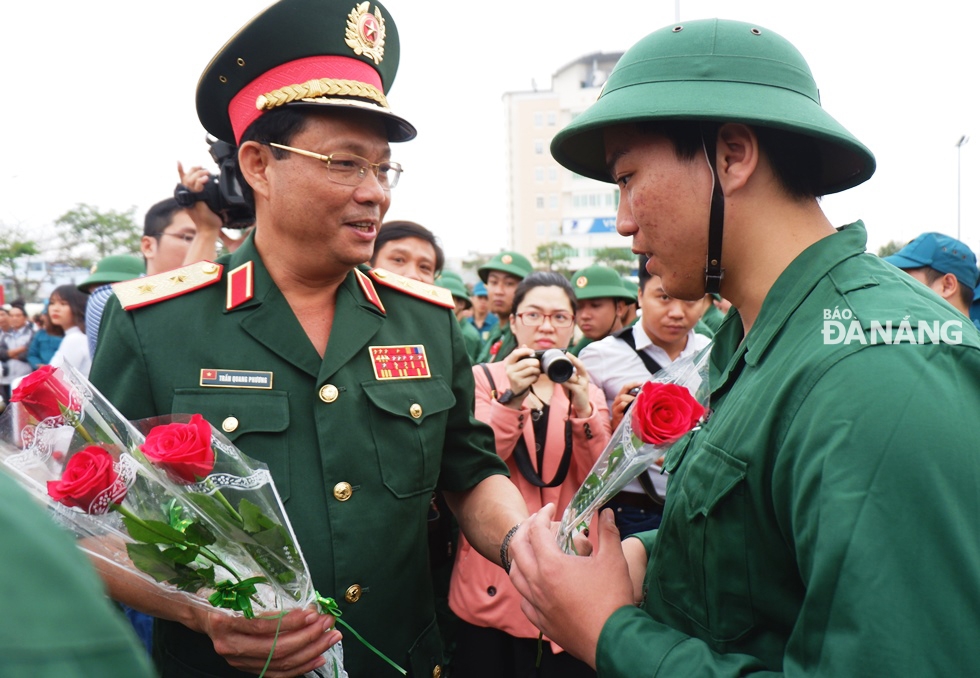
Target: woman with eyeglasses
[
  {"x": 66, "y": 309},
  {"x": 550, "y": 435}
]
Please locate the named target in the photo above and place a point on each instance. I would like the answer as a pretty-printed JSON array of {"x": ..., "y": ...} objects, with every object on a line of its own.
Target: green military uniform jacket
[
  {"x": 499, "y": 345},
  {"x": 56, "y": 621},
  {"x": 824, "y": 521},
  {"x": 471, "y": 339},
  {"x": 355, "y": 457}
]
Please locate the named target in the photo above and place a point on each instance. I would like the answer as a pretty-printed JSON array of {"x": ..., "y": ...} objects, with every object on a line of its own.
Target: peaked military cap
[{"x": 338, "y": 53}]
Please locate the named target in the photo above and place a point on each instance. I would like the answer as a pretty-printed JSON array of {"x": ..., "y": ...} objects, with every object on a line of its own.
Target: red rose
[
  {"x": 663, "y": 413},
  {"x": 182, "y": 450},
  {"x": 89, "y": 480},
  {"x": 43, "y": 394}
]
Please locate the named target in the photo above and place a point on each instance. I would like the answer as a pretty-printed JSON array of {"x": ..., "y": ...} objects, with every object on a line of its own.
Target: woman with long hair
[
  {"x": 66, "y": 309},
  {"x": 549, "y": 430}
]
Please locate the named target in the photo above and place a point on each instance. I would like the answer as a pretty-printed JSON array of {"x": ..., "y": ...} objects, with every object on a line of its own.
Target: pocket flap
[{"x": 412, "y": 399}]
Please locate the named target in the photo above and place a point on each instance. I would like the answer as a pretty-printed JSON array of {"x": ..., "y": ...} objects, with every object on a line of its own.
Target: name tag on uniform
[
  {"x": 236, "y": 379},
  {"x": 399, "y": 362}
]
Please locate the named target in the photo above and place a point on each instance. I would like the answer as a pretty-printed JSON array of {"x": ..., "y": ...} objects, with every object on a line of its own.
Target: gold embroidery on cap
[
  {"x": 319, "y": 88},
  {"x": 366, "y": 32}
]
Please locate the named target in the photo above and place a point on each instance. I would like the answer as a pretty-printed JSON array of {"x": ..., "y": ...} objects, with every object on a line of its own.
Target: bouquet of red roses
[
  {"x": 170, "y": 499},
  {"x": 669, "y": 406}
]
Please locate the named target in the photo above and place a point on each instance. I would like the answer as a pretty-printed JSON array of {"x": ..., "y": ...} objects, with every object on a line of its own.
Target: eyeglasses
[
  {"x": 186, "y": 237},
  {"x": 350, "y": 170},
  {"x": 561, "y": 319}
]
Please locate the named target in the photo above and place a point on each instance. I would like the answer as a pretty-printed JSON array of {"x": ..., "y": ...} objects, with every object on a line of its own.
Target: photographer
[
  {"x": 209, "y": 223},
  {"x": 549, "y": 430}
]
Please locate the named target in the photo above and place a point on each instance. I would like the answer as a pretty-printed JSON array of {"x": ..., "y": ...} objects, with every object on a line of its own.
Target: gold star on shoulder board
[{"x": 151, "y": 289}]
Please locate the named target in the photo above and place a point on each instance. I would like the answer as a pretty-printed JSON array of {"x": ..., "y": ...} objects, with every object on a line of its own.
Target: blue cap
[
  {"x": 479, "y": 289},
  {"x": 938, "y": 251}
]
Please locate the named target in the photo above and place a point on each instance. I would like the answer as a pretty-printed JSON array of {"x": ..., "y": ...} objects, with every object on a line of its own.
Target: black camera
[
  {"x": 222, "y": 193},
  {"x": 555, "y": 364}
]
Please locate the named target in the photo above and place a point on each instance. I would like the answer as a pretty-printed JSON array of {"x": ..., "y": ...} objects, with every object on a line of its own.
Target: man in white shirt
[{"x": 625, "y": 360}]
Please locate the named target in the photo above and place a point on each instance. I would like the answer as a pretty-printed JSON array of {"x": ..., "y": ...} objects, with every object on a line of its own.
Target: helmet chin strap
[{"x": 713, "y": 272}]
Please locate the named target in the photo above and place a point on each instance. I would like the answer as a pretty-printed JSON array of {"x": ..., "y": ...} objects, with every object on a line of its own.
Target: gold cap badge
[
  {"x": 581, "y": 281},
  {"x": 366, "y": 32}
]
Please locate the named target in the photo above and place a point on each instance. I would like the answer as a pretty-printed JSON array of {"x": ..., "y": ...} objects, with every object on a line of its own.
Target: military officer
[
  {"x": 834, "y": 472},
  {"x": 353, "y": 386},
  {"x": 501, "y": 276}
]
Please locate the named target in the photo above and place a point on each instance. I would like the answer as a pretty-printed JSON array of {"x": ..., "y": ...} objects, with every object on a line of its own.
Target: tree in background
[
  {"x": 889, "y": 248},
  {"x": 620, "y": 259},
  {"x": 90, "y": 234},
  {"x": 14, "y": 244},
  {"x": 554, "y": 256}
]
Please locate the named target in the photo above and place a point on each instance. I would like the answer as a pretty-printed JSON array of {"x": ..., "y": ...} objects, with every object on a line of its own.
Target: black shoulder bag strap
[
  {"x": 626, "y": 334},
  {"x": 523, "y": 458}
]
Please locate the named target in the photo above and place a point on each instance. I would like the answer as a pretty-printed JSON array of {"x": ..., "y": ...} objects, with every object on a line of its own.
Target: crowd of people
[{"x": 789, "y": 533}]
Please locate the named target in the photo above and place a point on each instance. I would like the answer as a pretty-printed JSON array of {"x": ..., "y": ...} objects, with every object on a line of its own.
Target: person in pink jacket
[{"x": 549, "y": 430}]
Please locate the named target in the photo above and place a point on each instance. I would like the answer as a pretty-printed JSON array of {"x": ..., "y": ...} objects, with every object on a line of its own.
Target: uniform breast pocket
[
  {"x": 701, "y": 555},
  {"x": 408, "y": 422},
  {"x": 256, "y": 421}
]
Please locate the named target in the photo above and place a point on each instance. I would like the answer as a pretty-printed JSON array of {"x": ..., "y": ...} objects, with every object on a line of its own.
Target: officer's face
[
  {"x": 664, "y": 206},
  {"x": 411, "y": 257},
  {"x": 597, "y": 317},
  {"x": 325, "y": 224}
]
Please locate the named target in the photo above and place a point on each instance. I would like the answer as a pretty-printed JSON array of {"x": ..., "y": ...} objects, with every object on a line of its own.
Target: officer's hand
[
  {"x": 523, "y": 369},
  {"x": 622, "y": 401},
  {"x": 304, "y": 635},
  {"x": 561, "y": 595},
  {"x": 577, "y": 389}
]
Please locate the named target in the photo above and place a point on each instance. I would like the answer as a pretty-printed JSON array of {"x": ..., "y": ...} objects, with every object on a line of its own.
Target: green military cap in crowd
[
  {"x": 451, "y": 274},
  {"x": 599, "y": 282},
  {"x": 508, "y": 262},
  {"x": 719, "y": 71},
  {"x": 112, "y": 269},
  {"x": 337, "y": 53},
  {"x": 631, "y": 286},
  {"x": 454, "y": 284}
]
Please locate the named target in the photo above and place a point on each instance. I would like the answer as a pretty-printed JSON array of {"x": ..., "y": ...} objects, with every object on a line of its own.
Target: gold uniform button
[
  {"x": 208, "y": 268},
  {"x": 415, "y": 410},
  {"x": 353, "y": 593},
  {"x": 342, "y": 491},
  {"x": 229, "y": 424},
  {"x": 437, "y": 672},
  {"x": 329, "y": 393}
]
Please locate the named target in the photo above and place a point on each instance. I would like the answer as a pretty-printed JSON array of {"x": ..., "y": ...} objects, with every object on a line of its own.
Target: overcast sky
[{"x": 99, "y": 100}]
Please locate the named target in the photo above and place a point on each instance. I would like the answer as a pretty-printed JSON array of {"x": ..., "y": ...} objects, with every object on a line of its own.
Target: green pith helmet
[
  {"x": 721, "y": 71},
  {"x": 451, "y": 274},
  {"x": 631, "y": 286},
  {"x": 599, "y": 282},
  {"x": 456, "y": 287},
  {"x": 338, "y": 53},
  {"x": 508, "y": 262},
  {"x": 111, "y": 269}
]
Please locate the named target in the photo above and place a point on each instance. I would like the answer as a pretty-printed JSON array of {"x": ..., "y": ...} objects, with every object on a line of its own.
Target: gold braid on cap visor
[{"x": 320, "y": 88}]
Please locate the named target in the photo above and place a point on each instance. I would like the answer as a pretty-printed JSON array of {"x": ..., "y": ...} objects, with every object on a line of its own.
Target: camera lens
[{"x": 556, "y": 365}]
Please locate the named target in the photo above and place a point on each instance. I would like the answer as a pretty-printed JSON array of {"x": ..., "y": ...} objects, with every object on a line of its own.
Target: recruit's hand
[
  {"x": 622, "y": 401},
  {"x": 304, "y": 635},
  {"x": 570, "y": 597},
  {"x": 523, "y": 369},
  {"x": 577, "y": 388}
]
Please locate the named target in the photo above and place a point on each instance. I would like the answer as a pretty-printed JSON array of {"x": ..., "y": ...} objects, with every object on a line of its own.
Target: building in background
[{"x": 547, "y": 202}]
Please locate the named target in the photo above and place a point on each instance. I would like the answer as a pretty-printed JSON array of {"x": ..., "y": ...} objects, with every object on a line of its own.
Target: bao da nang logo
[{"x": 841, "y": 327}]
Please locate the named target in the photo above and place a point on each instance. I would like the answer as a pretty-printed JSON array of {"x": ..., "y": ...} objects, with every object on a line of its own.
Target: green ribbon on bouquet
[{"x": 329, "y": 606}]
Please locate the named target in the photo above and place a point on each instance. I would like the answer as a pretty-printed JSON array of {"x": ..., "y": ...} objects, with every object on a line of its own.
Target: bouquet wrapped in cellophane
[
  {"x": 170, "y": 499},
  {"x": 669, "y": 406}
]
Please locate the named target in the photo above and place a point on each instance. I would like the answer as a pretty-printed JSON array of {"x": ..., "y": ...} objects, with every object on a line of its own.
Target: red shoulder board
[
  {"x": 368, "y": 288},
  {"x": 437, "y": 295},
  {"x": 150, "y": 289}
]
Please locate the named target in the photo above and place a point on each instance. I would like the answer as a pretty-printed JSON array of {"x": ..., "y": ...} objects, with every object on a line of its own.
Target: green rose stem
[
  {"x": 329, "y": 606},
  {"x": 224, "y": 502},
  {"x": 207, "y": 553},
  {"x": 72, "y": 418}
]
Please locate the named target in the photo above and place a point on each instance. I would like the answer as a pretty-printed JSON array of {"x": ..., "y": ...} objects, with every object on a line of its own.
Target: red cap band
[{"x": 242, "y": 111}]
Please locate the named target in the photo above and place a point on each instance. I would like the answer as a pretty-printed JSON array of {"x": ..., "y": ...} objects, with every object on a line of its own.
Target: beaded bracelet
[{"x": 505, "y": 548}]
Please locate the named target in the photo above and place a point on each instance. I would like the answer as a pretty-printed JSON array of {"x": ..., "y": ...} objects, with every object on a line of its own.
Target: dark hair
[
  {"x": 76, "y": 301},
  {"x": 399, "y": 230},
  {"x": 543, "y": 279},
  {"x": 932, "y": 275},
  {"x": 642, "y": 274},
  {"x": 795, "y": 158},
  {"x": 278, "y": 126},
  {"x": 159, "y": 217}
]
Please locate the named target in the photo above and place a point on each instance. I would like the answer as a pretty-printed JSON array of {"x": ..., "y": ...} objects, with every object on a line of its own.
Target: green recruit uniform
[
  {"x": 824, "y": 521},
  {"x": 355, "y": 457},
  {"x": 471, "y": 339},
  {"x": 499, "y": 345},
  {"x": 56, "y": 621}
]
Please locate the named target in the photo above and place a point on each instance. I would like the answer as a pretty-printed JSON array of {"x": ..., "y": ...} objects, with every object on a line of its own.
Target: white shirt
[
  {"x": 74, "y": 351},
  {"x": 612, "y": 364}
]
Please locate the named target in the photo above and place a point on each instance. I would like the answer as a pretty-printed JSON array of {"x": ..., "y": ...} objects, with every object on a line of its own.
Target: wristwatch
[{"x": 509, "y": 395}]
